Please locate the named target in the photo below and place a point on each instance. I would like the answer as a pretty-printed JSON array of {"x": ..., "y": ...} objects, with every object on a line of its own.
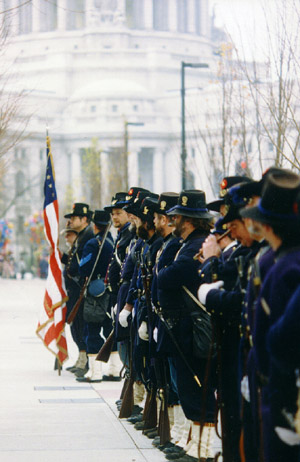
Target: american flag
[{"x": 53, "y": 314}]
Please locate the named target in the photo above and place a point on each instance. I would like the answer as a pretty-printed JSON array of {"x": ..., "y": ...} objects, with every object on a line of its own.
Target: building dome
[{"x": 110, "y": 89}]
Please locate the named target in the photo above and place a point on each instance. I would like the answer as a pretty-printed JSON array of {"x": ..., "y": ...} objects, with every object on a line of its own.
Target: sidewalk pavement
[{"x": 45, "y": 417}]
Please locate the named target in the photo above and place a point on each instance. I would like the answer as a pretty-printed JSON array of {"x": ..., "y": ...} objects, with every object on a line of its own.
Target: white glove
[
  {"x": 205, "y": 288},
  {"x": 245, "y": 388},
  {"x": 155, "y": 334},
  {"x": 123, "y": 317},
  {"x": 143, "y": 331},
  {"x": 288, "y": 436}
]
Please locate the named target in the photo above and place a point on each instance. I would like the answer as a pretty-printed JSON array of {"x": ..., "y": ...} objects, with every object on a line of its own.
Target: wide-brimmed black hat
[
  {"x": 79, "y": 209},
  {"x": 117, "y": 202},
  {"x": 101, "y": 217},
  {"x": 191, "y": 203},
  {"x": 134, "y": 207},
  {"x": 164, "y": 203},
  {"x": 225, "y": 185},
  {"x": 278, "y": 203}
]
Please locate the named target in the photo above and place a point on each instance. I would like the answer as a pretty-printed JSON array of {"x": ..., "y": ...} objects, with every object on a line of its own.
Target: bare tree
[
  {"x": 275, "y": 88},
  {"x": 13, "y": 122},
  {"x": 220, "y": 129}
]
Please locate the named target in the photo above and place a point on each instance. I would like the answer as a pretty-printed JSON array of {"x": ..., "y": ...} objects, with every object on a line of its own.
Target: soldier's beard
[
  {"x": 159, "y": 231},
  {"x": 142, "y": 232},
  {"x": 179, "y": 227}
]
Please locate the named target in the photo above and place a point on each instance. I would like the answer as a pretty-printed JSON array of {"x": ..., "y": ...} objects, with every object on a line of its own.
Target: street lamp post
[
  {"x": 126, "y": 123},
  {"x": 183, "y": 146}
]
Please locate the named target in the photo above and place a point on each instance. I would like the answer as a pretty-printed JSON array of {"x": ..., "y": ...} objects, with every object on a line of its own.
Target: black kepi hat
[
  {"x": 234, "y": 202},
  {"x": 164, "y": 203},
  {"x": 79, "y": 210},
  {"x": 146, "y": 212},
  {"x": 133, "y": 192},
  {"x": 134, "y": 207},
  {"x": 101, "y": 217},
  {"x": 117, "y": 202},
  {"x": 254, "y": 188},
  {"x": 191, "y": 203},
  {"x": 225, "y": 185},
  {"x": 219, "y": 228},
  {"x": 278, "y": 203}
]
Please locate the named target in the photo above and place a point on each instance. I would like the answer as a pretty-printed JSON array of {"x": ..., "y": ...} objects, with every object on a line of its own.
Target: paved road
[{"x": 45, "y": 417}]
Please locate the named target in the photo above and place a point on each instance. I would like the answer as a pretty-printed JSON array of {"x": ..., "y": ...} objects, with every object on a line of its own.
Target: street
[{"x": 46, "y": 417}]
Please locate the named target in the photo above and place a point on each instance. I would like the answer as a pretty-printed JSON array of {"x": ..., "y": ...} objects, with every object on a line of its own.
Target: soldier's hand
[
  {"x": 204, "y": 289},
  {"x": 143, "y": 331},
  {"x": 123, "y": 317},
  {"x": 210, "y": 247}
]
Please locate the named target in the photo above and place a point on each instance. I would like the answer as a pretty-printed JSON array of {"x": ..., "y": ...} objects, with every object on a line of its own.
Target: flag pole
[
  {"x": 57, "y": 364},
  {"x": 51, "y": 324}
]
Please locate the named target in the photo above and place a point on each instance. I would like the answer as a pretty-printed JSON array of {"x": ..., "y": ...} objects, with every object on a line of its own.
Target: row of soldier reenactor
[{"x": 204, "y": 313}]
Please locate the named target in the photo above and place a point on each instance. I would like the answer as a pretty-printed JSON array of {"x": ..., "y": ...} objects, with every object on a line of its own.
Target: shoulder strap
[{"x": 192, "y": 296}]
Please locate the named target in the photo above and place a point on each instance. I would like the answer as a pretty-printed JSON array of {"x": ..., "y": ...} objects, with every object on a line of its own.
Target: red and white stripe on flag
[{"x": 53, "y": 313}]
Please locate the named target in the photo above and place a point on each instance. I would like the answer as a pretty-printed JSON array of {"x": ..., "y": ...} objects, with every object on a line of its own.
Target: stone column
[
  {"x": 204, "y": 18},
  {"x": 191, "y": 16},
  {"x": 133, "y": 168},
  {"x": 172, "y": 16},
  {"x": 158, "y": 169},
  {"x": 36, "y": 15},
  {"x": 89, "y": 10},
  {"x": 13, "y": 20},
  {"x": 148, "y": 14},
  {"x": 61, "y": 14}
]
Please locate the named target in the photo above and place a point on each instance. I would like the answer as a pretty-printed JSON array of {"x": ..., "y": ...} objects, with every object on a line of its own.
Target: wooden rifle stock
[
  {"x": 127, "y": 401},
  {"x": 76, "y": 307},
  {"x": 125, "y": 384},
  {"x": 150, "y": 420},
  {"x": 106, "y": 349},
  {"x": 128, "y": 397},
  {"x": 164, "y": 422}
]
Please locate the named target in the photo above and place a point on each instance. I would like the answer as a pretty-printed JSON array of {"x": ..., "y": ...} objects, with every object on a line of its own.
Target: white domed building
[{"x": 96, "y": 69}]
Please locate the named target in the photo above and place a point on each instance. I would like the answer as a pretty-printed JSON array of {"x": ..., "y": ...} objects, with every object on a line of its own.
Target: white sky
[
  {"x": 243, "y": 20},
  {"x": 247, "y": 22}
]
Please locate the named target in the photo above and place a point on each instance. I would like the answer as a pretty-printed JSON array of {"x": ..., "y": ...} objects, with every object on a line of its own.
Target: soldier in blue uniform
[
  {"x": 192, "y": 224},
  {"x": 121, "y": 222},
  {"x": 160, "y": 343},
  {"x": 90, "y": 251},
  {"x": 136, "y": 297},
  {"x": 278, "y": 215},
  {"x": 226, "y": 307},
  {"x": 79, "y": 220},
  {"x": 127, "y": 270}
]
